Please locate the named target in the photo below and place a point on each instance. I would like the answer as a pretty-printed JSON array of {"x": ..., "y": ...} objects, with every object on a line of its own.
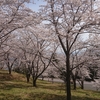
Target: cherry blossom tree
[
  {"x": 10, "y": 54},
  {"x": 37, "y": 49},
  {"x": 78, "y": 61},
  {"x": 93, "y": 54},
  {"x": 14, "y": 15},
  {"x": 69, "y": 19}
]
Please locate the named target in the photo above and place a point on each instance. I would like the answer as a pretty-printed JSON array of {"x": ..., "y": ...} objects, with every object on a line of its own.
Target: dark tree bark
[
  {"x": 74, "y": 84},
  {"x": 9, "y": 69},
  {"x": 74, "y": 80},
  {"x": 68, "y": 84},
  {"x": 28, "y": 77},
  {"x": 82, "y": 84},
  {"x": 34, "y": 82}
]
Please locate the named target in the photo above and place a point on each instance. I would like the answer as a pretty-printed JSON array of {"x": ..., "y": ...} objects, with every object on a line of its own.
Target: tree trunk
[
  {"x": 74, "y": 81},
  {"x": 68, "y": 84},
  {"x": 28, "y": 77},
  {"x": 34, "y": 81},
  {"x": 82, "y": 84},
  {"x": 9, "y": 69},
  {"x": 74, "y": 84}
]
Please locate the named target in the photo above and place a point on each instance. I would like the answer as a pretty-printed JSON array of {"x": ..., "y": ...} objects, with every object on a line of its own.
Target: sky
[{"x": 35, "y": 6}]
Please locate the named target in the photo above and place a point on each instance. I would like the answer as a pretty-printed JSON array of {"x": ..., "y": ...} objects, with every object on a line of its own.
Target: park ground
[{"x": 15, "y": 87}]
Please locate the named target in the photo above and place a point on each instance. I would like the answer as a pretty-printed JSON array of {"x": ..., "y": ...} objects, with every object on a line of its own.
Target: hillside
[
  {"x": 15, "y": 87},
  {"x": 4, "y": 76}
]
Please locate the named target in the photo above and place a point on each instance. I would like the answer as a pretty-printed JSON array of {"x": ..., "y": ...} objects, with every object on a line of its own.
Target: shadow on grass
[
  {"x": 5, "y": 76},
  {"x": 86, "y": 91},
  {"x": 9, "y": 97},
  {"x": 38, "y": 95},
  {"x": 7, "y": 85},
  {"x": 44, "y": 96},
  {"x": 83, "y": 98},
  {"x": 51, "y": 86}
]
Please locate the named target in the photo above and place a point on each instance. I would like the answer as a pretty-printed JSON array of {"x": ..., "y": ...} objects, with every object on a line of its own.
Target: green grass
[{"x": 16, "y": 88}]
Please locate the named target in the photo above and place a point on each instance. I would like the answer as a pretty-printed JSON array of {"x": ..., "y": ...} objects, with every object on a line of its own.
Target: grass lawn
[{"x": 14, "y": 87}]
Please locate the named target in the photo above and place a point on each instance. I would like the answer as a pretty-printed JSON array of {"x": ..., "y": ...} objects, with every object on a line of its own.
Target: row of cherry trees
[
  {"x": 52, "y": 37},
  {"x": 13, "y": 16},
  {"x": 25, "y": 41}
]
